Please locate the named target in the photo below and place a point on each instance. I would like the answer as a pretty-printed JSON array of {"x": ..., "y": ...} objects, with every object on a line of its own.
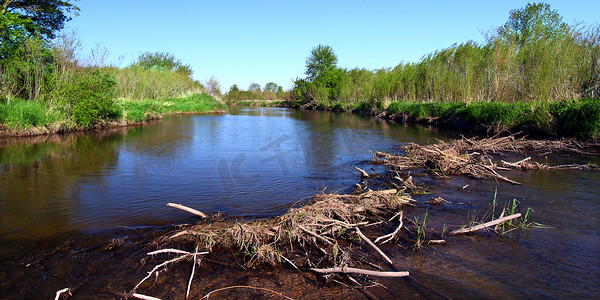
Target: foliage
[
  {"x": 141, "y": 110},
  {"x": 272, "y": 91},
  {"x": 163, "y": 61},
  {"x": 533, "y": 23},
  {"x": 254, "y": 87},
  {"x": 39, "y": 17},
  {"x": 213, "y": 86},
  {"x": 138, "y": 83},
  {"x": 321, "y": 60},
  {"x": 89, "y": 97},
  {"x": 21, "y": 114}
]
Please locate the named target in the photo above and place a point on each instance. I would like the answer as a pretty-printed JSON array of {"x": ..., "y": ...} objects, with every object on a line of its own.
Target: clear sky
[{"x": 241, "y": 42}]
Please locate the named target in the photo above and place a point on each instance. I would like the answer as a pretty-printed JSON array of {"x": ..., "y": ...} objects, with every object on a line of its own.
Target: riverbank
[
  {"x": 260, "y": 103},
  {"x": 285, "y": 255},
  {"x": 27, "y": 118},
  {"x": 560, "y": 119}
]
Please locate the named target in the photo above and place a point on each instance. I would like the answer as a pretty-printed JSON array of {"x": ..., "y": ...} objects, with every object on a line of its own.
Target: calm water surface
[
  {"x": 256, "y": 162},
  {"x": 252, "y": 162}
]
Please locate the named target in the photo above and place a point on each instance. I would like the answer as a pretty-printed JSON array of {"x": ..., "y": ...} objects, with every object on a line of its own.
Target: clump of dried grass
[
  {"x": 471, "y": 156},
  {"x": 316, "y": 224}
]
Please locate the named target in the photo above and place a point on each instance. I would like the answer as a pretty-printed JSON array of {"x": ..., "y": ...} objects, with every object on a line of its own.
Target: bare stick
[
  {"x": 397, "y": 214},
  {"x": 362, "y": 172},
  {"x": 168, "y": 251},
  {"x": 247, "y": 287},
  {"x": 315, "y": 235},
  {"x": 187, "y": 294},
  {"x": 190, "y": 210},
  {"x": 144, "y": 297},
  {"x": 436, "y": 242},
  {"x": 485, "y": 225},
  {"x": 389, "y": 261},
  {"x": 501, "y": 215},
  {"x": 516, "y": 164},
  {"x": 360, "y": 271},
  {"x": 60, "y": 292},
  {"x": 390, "y": 236},
  {"x": 159, "y": 266},
  {"x": 500, "y": 176}
]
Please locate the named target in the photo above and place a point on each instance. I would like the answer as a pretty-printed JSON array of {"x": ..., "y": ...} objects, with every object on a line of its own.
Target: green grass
[
  {"x": 21, "y": 114},
  {"x": 568, "y": 118},
  {"x": 140, "y": 110}
]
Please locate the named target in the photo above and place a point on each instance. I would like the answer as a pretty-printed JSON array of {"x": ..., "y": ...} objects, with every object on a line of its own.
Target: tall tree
[
  {"x": 321, "y": 60},
  {"x": 254, "y": 87},
  {"x": 531, "y": 23},
  {"x": 41, "y": 18},
  {"x": 272, "y": 87}
]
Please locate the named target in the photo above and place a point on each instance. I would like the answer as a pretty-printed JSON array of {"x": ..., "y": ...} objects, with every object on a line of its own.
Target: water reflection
[{"x": 253, "y": 162}]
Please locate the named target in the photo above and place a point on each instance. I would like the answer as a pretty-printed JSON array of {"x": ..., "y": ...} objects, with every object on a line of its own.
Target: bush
[
  {"x": 577, "y": 118},
  {"x": 89, "y": 97}
]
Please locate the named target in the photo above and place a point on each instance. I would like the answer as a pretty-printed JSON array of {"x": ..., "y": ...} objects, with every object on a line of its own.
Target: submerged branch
[
  {"x": 485, "y": 225},
  {"x": 360, "y": 271}
]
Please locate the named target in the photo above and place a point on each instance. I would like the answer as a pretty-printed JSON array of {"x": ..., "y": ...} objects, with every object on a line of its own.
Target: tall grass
[
  {"x": 135, "y": 82},
  {"x": 141, "y": 110},
  {"x": 544, "y": 70}
]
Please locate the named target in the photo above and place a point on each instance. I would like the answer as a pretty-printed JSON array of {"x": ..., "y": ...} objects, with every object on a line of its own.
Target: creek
[{"x": 257, "y": 162}]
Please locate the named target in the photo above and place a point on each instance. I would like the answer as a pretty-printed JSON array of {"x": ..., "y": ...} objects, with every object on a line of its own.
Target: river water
[{"x": 256, "y": 162}]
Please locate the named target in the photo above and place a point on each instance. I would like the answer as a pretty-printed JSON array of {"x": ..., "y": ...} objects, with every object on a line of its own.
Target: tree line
[{"x": 534, "y": 57}]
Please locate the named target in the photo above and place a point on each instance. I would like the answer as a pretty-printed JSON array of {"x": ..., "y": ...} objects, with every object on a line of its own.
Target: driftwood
[
  {"x": 144, "y": 297},
  {"x": 360, "y": 271},
  {"x": 391, "y": 236},
  {"x": 485, "y": 225},
  {"x": 362, "y": 172},
  {"x": 190, "y": 210},
  {"x": 60, "y": 292},
  {"x": 387, "y": 259}
]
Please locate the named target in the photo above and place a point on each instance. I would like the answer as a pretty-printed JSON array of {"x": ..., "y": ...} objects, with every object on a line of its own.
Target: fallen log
[
  {"x": 360, "y": 271},
  {"x": 485, "y": 225},
  {"x": 190, "y": 210}
]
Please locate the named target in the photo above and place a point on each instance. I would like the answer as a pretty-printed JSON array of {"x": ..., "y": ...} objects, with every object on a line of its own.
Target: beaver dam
[{"x": 356, "y": 245}]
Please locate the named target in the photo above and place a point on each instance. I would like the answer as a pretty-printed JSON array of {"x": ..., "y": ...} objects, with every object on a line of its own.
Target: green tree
[
  {"x": 272, "y": 87},
  {"x": 163, "y": 61},
  {"x": 41, "y": 18},
  {"x": 322, "y": 59},
  {"x": 532, "y": 23},
  {"x": 254, "y": 87}
]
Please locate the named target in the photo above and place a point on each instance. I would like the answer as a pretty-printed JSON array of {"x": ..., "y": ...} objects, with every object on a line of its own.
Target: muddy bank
[{"x": 265, "y": 258}]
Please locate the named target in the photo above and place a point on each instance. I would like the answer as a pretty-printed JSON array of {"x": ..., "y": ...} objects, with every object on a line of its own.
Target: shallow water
[{"x": 256, "y": 162}]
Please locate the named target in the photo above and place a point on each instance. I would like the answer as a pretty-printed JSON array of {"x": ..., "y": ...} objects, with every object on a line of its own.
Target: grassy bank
[
  {"x": 535, "y": 71},
  {"x": 567, "y": 118},
  {"x": 261, "y": 103},
  {"x": 23, "y": 117}
]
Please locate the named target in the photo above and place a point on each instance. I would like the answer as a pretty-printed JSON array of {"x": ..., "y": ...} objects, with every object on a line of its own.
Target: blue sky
[{"x": 241, "y": 42}]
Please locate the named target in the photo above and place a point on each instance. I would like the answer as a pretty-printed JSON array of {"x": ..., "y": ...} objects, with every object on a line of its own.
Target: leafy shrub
[{"x": 89, "y": 95}]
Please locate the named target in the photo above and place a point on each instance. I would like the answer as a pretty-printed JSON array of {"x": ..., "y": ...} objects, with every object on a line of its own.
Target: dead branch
[
  {"x": 391, "y": 236},
  {"x": 190, "y": 210},
  {"x": 360, "y": 271},
  {"x": 362, "y": 172},
  {"x": 246, "y": 287},
  {"x": 144, "y": 297},
  {"x": 187, "y": 294},
  {"x": 485, "y": 225},
  {"x": 60, "y": 292},
  {"x": 316, "y": 235},
  {"x": 389, "y": 261},
  {"x": 168, "y": 251}
]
